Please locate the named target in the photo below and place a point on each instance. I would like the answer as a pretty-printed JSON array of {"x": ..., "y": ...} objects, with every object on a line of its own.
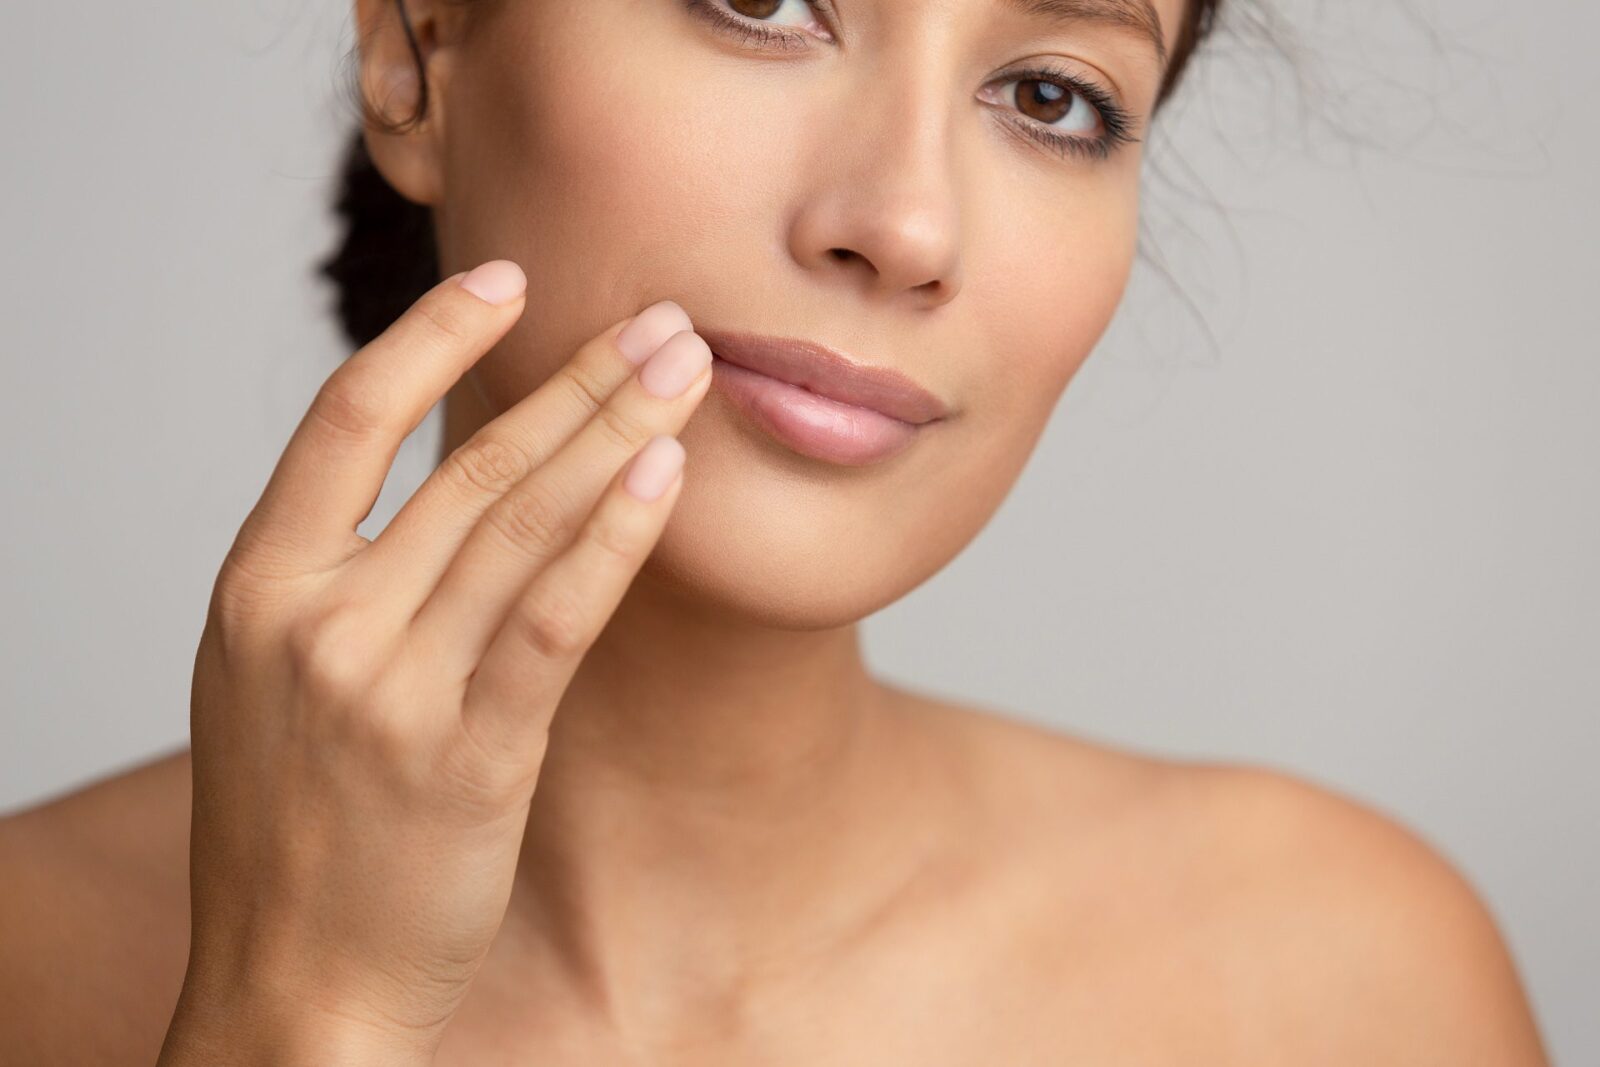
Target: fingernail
[
  {"x": 650, "y": 328},
  {"x": 676, "y": 364},
  {"x": 653, "y": 469},
  {"x": 497, "y": 281}
]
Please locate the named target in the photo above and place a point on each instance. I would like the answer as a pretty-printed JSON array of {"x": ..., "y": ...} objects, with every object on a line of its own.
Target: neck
[{"x": 716, "y": 798}]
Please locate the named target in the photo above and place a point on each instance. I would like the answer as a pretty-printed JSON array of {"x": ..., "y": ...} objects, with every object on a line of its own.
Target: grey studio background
[{"x": 1342, "y": 521}]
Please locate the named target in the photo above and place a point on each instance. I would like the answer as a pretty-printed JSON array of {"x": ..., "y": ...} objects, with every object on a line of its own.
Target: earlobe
[{"x": 403, "y": 114}]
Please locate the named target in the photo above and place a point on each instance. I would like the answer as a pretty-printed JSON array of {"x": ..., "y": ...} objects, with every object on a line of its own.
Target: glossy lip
[{"x": 827, "y": 372}]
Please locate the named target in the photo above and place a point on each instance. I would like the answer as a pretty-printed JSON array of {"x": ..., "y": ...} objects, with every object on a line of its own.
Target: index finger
[{"x": 330, "y": 473}]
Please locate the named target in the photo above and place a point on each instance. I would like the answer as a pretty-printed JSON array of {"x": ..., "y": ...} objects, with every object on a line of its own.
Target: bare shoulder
[
  {"x": 1355, "y": 909},
  {"x": 1338, "y": 932},
  {"x": 94, "y": 917}
]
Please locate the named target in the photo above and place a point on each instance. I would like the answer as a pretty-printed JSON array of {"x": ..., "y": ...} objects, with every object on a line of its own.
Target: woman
[{"x": 494, "y": 787}]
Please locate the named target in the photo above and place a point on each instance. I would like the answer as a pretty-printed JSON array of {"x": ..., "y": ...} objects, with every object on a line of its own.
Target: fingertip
[
  {"x": 654, "y": 468},
  {"x": 498, "y": 281},
  {"x": 650, "y": 328}
]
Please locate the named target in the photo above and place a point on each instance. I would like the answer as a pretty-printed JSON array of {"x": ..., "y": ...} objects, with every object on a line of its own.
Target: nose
[{"x": 882, "y": 212}]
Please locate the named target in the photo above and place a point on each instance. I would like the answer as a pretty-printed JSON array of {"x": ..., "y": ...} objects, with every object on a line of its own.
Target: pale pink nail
[
  {"x": 676, "y": 364},
  {"x": 648, "y": 329},
  {"x": 654, "y": 468},
  {"x": 497, "y": 281}
]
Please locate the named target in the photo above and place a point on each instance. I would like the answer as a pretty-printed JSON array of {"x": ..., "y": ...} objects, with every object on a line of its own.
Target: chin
[{"x": 748, "y": 584}]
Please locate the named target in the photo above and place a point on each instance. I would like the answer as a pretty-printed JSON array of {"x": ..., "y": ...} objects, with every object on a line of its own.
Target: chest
[{"x": 937, "y": 1008}]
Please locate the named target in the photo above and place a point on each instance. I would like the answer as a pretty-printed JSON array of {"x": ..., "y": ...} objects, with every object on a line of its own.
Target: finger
[
  {"x": 536, "y": 518},
  {"x": 335, "y": 463},
  {"x": 556, "y": 618},
  {"x": 411, "y": 553}
]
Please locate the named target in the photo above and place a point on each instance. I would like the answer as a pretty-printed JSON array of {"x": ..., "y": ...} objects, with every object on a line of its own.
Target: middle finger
[{"x": 536, "y": 518}]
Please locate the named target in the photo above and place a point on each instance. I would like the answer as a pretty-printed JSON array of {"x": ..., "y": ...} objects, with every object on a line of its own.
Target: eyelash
[{"x": 1116, "y": 120}]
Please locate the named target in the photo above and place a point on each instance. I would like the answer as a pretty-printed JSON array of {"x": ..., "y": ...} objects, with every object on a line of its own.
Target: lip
[
  {"x": 818, "y": 401},
  {"x": 827, "y": 372}
]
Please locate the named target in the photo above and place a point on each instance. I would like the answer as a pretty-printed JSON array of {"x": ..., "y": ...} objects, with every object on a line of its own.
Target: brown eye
[
  {"x": 1066, "y": 112},
  {"x": 753, "y": 20},
  {"x": 1049, "y": 103}
]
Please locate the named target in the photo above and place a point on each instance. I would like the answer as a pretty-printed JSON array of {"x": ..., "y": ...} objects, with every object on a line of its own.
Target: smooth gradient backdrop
[{"x": 1325, "y": 498}]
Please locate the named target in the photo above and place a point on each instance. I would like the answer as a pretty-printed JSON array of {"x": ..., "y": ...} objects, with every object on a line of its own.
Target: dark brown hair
[{"x": 386, "y": 256}]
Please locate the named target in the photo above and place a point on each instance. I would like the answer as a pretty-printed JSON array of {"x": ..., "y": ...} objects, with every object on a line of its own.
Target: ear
[{"x": 410, "y": 160}]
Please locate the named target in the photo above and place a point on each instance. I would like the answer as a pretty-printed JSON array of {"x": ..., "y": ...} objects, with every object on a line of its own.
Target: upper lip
[{"x": 827, "y": 372}]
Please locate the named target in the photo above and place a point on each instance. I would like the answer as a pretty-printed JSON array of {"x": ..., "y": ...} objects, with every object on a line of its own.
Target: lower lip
[{"x": 811, "y": 424}]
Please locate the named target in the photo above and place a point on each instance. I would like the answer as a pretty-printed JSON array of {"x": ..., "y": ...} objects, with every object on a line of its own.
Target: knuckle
[
  {"x": 623, "y": 430},
  {"x": 351, "y": 405},
  {"x": 260, "y": 557},
  {"x": 555, "y": 625},
  {"x": 382, "y": 732},
  {"x": 334, "y": 654},
  {"x": 251, "y": 593},
  {"x": 589, "y": 392},
  {"x": 531, "y": 519},
  {"x": 488, "y": 466},
  {"x": 239, "y": 597},
  {"x": 238, "y": 584},
  {"x": 613, "y": 538}
]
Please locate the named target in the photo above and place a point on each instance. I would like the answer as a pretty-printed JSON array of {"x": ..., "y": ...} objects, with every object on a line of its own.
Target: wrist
[{"x": 247, "y": 1025}]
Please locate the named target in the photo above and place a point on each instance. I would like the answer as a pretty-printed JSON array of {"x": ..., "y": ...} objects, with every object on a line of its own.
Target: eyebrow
[{"x": 1135, "y": 15}]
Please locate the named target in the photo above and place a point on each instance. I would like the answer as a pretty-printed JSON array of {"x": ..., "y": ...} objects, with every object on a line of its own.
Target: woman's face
[{"x": 877, "y": 177}]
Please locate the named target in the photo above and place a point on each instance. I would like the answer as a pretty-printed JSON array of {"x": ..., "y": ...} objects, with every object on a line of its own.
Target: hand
[{"x": 368, "y": 718}]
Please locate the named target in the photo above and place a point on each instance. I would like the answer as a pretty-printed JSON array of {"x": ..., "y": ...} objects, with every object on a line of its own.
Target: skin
[{"x": 715, "y": 837}]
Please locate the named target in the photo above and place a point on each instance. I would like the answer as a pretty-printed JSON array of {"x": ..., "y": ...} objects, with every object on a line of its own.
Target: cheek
[
  {"x": 1046, "y": 287},
  {"x": 1043, "y": 287},
  {"x": 1042, "y": 291},
  {"x": 563, "y": 156}
]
